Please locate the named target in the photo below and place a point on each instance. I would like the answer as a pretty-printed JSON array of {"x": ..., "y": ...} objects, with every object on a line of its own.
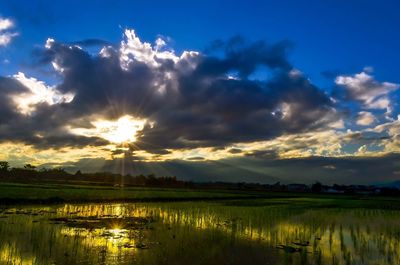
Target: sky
[{"x": 260, "y": 91}]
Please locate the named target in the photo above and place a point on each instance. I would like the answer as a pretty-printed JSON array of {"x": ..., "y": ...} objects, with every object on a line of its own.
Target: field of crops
[{"x": 210, "y": 227}]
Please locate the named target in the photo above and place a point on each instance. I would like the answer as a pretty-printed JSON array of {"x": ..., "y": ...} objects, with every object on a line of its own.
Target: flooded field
[{"x": 256, "y": 232}]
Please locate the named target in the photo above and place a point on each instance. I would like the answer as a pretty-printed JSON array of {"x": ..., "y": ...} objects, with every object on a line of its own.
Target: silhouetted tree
[
  {"x": 4, "y": 166},
  {"x": 29, "y": 167},
  {"x": 316, "y": 187}
]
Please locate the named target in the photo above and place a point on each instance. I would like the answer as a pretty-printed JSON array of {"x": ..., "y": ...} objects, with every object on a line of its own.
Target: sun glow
[
  {"x": 120, "y": 131},
  {"x": 123, "y": 130}
]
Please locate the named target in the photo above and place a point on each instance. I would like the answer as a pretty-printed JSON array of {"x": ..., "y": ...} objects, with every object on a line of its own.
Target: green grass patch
[{"x": 15, "y": 193}]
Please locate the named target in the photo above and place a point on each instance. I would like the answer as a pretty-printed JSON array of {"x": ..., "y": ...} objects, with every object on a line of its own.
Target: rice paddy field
[
  {"x": 52, "y": 193},
  {"x": 278, "y": 230}
]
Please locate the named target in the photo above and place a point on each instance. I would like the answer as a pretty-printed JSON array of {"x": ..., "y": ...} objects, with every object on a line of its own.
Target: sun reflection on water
[{"x": 118, "y": 231}]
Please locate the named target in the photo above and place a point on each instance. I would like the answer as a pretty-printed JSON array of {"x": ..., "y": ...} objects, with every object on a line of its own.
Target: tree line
[{"x": 31, "y": 174}]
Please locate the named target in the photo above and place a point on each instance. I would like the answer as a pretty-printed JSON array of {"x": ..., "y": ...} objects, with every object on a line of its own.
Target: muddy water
[{"x": 197, "y": 233}]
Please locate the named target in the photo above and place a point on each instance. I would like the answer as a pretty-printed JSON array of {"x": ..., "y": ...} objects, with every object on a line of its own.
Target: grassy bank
[
  {"x": 12, "y": 193},
  {"x": 53, "y": 193}
]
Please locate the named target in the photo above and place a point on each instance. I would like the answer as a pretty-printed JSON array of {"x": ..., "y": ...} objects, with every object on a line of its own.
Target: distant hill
[{"x": 395, "y": 184}]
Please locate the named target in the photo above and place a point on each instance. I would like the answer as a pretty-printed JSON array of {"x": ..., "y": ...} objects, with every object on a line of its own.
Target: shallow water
[{"x": 197, "y": 233}]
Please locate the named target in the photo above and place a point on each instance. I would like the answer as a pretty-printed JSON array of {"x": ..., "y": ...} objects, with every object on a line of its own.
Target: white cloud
[
  {"x": 49, "y": 43},
  {"x": 365, "y": 118},
  {"x": 38, "y": 93},
  {"x": 5, "y": 35},
  {"x": 368, "y": 69},
  {"x": 5, "y": 23},
  {"x": 295, "y": 73},
  {"x": 365, "y": 89},
  {"x": 362, "y": 150},
  {"x": 133, "y": 49},
  {"x": 5, "y": 38},
  {"x": 392, "y": 131},
  {"x": 160, "y": 43}
]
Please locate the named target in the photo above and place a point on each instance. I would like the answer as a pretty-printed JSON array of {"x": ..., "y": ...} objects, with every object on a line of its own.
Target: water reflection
[{"x": 197, "y": 233}]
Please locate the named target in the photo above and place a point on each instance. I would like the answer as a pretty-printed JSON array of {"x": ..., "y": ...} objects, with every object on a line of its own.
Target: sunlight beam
[{"x": 123, "y": 130}]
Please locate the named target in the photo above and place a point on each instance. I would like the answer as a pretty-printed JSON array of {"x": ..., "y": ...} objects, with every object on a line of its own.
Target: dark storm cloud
[
  {"x": 8, "y": 86},
  {"x": 192, "y": 102},
  {"x": 44, "y": 129},
  {"x": 196, "y": 158},
  {"x": 244, "y": 57},
  {"x": 235, "y": 151},
  {"x": 92, "y": 42},
  {"x": 264, "y": 154}
]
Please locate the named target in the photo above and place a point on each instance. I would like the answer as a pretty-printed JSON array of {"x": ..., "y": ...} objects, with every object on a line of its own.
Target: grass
[
  {"x": 47, "y": 193},
  {"x": 321, "y": 201},
  {"x": 253, "y": 231},
  {"x": 228, "y": 227},
  {"x": 14, "y": 193}
]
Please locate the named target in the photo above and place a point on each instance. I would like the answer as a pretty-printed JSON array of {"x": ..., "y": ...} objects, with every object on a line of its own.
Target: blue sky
[
  {"x": 305, "y": 80},
  {"x": 327, "y": 35}
]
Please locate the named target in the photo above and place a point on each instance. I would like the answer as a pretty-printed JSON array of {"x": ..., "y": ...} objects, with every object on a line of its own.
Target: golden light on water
[
  {"x": 112, "y": 240},
  {"x": 117, "y": 233}
]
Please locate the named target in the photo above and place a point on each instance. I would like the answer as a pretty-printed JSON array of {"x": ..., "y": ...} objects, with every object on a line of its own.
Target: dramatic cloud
[
  {"x": 188, "y": 101},
  {"x": 143, "y": 103},
  {"x": 39, "y": 93},
  {"x": 364, "y": 88}
]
